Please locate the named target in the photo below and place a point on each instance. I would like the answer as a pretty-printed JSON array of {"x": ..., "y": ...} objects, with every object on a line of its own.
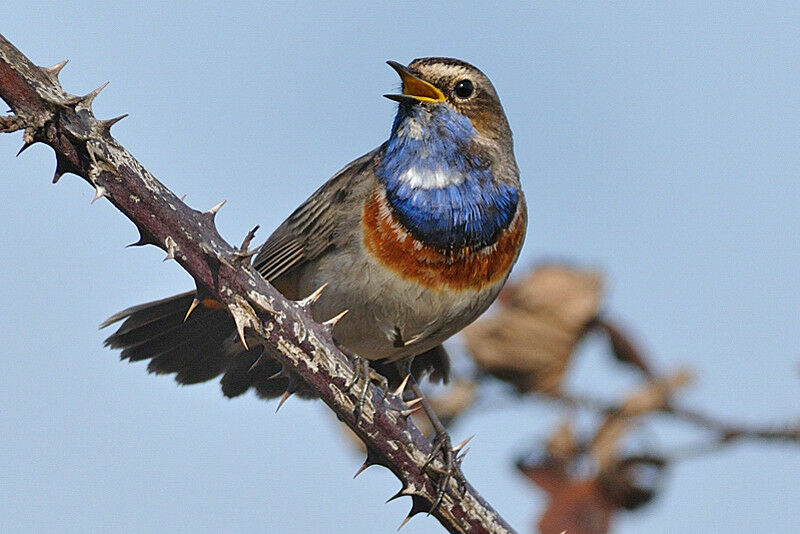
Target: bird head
[{"x": 435, "y": 83}]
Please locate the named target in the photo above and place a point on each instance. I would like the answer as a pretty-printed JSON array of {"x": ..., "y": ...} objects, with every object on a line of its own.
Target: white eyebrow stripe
[{"x": 452, "y": 70}]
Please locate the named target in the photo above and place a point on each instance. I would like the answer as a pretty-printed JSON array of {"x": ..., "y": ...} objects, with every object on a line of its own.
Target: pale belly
[{"x": 388, "y": 317}]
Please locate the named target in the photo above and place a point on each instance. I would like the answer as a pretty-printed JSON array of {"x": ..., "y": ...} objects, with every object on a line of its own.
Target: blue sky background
[{"x": 660, "y": 145}]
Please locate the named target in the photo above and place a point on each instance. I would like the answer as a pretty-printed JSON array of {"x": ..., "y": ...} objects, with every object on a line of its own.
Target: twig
[{"x": 727, "y": 431}]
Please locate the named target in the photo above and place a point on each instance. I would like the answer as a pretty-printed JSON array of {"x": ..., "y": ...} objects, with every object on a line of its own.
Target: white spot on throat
[
  {"x": 423, "y": 178},
  {"x": 411, "y": 128}
]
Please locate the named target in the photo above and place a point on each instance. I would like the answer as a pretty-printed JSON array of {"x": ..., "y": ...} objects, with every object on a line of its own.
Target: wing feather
[{"x": 312, "y": 228}]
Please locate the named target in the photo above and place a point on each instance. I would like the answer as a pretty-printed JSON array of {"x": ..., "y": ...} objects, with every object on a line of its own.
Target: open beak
[{"x": 415, "y": 90}]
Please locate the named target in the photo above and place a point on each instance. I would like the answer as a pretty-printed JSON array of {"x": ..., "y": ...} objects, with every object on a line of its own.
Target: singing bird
[{"x": 415, "y": 239}]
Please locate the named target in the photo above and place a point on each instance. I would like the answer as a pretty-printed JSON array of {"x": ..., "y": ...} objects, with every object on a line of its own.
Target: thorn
[
  {"x": 242, "y": 253},
  {"x": 244, "y": 316},
  {"x": 461, "y": 456},
  {"x": 213, "y": 211},
  {"x": 55, "y": 70},
  {"x": 27, "y": 135},
  {"x": 70, "y": 100},
  {"x": 461, "y": 445},
  {"x": 406, "y": 413},
  {"x": 406, "y": 520},
  {"x": 286, "y": 395},
  {"x": 183, "y": 198},
  {"x": 248, "y": 238},
  {"x": 395, "y": 496},
  {"x": 274, "y": 376},
  {"x": 401, "y": 388},
  {"x": 25, "y": 147},
  {"x": 405, "y": 491},
  {"x": 99, "y": 192},
  {"x": 363, "y": 467},
  {"x": 107, "y": 124},
  {"x": 62, "y": 167},
  {"x": 419, "y": 505},
  {"x": 330, "y": 323},
  {"x": 170, "y": 243},
  {"x": 313, "y": 297},
  {"x": 413, "y": 402},
  {"x": 87, "y": 99},
  {"x": 258, "y": 362},
  {"x": 141, "y": 242},
  {"x": 246, "y": 255},
  {"x": 240, "y": 331},
  {"x": 192, "y": 306}
]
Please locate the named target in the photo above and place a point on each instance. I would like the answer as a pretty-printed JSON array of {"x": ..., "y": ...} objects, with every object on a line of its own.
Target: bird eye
[{"x": 464, "y": 89}]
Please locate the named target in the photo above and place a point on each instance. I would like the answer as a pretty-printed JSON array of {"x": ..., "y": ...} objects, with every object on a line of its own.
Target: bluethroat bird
[{"x": 415, "y": 239}]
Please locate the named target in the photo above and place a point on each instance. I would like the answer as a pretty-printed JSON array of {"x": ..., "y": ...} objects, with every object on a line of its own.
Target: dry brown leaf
[
  {"x": 584, "y": 499},
  {"x": 562, "y": 444},
  {"x": 579, "y": 506},
  {"x": 633, "y": 481},
  {"x": 604, "y": 448},
  {"x": 587, "y": 504},
  {"x": 576, "y": 505},
  {"x": 529, "y": 340},
  {"x": 549, "y": 474},
  {"x": 655, "y": 394}
]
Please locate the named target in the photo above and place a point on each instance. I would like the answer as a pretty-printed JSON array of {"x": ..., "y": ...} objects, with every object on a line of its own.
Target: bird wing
[{"x": 314, "y": 226}]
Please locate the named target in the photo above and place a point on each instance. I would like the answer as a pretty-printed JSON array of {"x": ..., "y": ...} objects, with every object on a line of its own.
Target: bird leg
[
  {"x": 363, "y": 374},
  {"x": 442, "y": 446}
]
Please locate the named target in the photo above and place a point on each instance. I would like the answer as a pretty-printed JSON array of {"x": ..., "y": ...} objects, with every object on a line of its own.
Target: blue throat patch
[{"x": 470, "y": 209}]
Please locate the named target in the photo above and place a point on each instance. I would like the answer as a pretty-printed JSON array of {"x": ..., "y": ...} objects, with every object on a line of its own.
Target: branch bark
[{"x": 84, "y": 146}]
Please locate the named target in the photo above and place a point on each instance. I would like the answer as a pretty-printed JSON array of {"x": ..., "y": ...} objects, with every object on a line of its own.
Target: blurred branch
[
  {"x": 727, "y": 431},
  {"x": 732, "y": 431},
  {"x": 623, "y": 349},
  {"x": 530, "y": 343},
  {"x": 84, "y": 146}
]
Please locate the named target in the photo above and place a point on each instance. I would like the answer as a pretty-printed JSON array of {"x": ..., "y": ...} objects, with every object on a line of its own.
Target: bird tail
[{"x": 197, "y": 347}]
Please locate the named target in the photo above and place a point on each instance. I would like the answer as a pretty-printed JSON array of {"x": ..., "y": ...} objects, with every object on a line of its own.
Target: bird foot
[
  {"x": 359, "y": 384},
  {"x": 443, "y": 449}
]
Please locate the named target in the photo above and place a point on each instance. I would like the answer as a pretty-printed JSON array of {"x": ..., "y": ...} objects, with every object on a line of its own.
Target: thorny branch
[{"x": 84, "y": 146}]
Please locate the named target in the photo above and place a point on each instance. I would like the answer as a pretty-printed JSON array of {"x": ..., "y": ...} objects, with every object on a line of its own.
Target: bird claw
[
  {"x": 443, "y": 447},
  {"x": 364, "y": 374}
]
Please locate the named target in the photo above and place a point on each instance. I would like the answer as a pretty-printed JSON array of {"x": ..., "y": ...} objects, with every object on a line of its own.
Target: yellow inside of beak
[{"x": 420, "y": 89}]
